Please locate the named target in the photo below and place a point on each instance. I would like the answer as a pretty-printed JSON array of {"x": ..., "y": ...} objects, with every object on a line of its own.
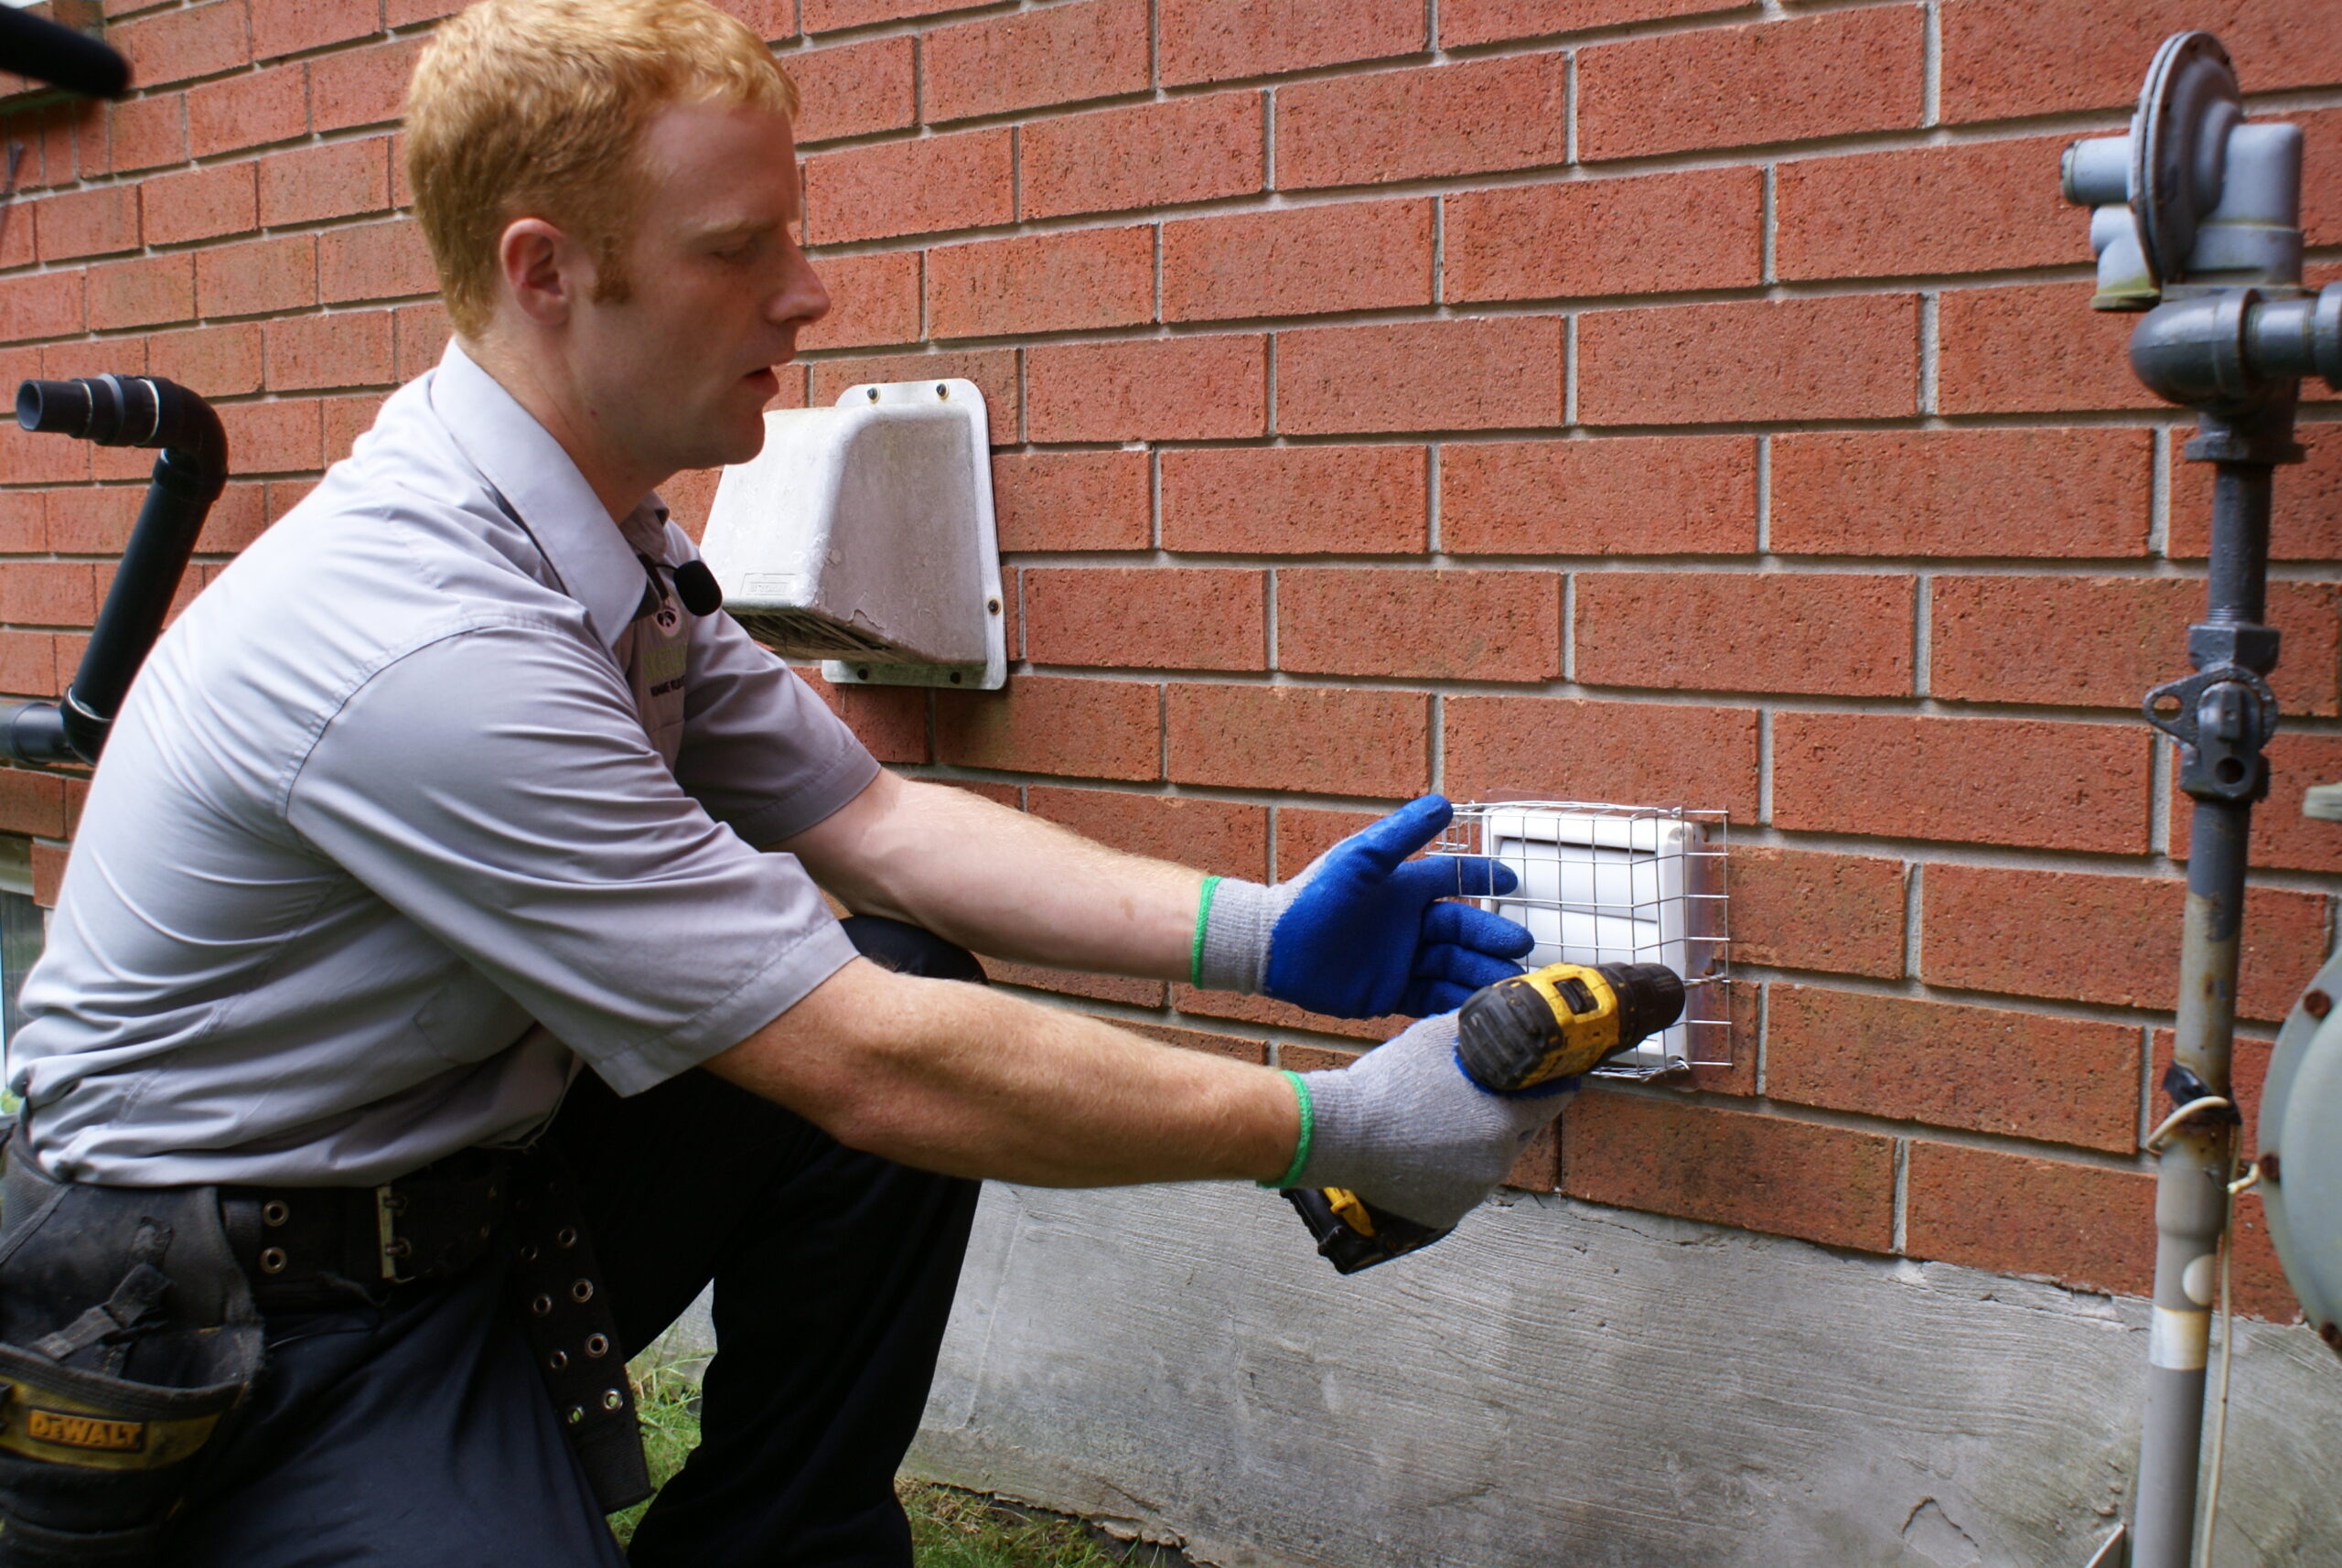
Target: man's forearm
[
  {"x": 1004, "y": 882},
  {"x": 956, "y": 1077}
]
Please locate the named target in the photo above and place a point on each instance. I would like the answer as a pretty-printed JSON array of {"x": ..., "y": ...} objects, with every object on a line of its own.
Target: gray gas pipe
[{"x": 2197, "y": 222}]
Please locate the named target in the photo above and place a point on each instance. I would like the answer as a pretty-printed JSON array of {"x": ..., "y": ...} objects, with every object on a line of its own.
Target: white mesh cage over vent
[
  {"x": 862, "y": 534},
  {"x": 1601, "y": 883}
]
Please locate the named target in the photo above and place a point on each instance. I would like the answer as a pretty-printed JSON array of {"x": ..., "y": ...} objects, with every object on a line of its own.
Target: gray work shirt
[{"x": 414, "y": 808}]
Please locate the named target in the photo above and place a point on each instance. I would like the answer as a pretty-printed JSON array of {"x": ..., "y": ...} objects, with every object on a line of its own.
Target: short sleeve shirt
[{"x": 436, "y": 794}]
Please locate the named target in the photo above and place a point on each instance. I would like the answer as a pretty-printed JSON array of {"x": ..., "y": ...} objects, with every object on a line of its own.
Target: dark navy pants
[{"x": 418, "y": 1434}]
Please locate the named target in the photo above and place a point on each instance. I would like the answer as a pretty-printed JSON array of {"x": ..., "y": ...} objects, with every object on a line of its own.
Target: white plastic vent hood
[{"x": 863, "y": 535}]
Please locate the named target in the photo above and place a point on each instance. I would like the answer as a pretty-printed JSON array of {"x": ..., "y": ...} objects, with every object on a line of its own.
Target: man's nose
[{"x": 803, "y": 298}]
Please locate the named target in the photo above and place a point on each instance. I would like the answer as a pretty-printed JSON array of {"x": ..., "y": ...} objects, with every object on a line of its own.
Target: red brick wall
[{"x": 1641, "y": 400}]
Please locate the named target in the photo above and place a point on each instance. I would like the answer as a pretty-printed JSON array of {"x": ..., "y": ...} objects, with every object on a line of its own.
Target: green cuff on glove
[
  {"x": 1301, "y": 1145},
  {"x": 1203, "y": 918},
  {"x": 1234, "y": 919}
]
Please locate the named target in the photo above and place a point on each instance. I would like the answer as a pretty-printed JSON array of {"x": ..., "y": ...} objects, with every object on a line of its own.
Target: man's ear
[{"x": 545, "y": 273}]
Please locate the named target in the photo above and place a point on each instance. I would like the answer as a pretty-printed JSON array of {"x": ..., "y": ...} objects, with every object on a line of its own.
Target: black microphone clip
[{"x": 697, "y": 588}]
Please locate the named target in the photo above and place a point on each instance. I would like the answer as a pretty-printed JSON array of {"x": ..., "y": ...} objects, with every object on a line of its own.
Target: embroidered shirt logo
[
  {"x": 85, "y": 1432},
  {"x": 662, "y": 668}
]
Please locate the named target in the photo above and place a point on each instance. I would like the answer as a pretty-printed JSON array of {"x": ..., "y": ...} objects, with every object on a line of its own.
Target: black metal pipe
[
  {"x": 2236, "y": 590},
  {"x": 123, "y": 411}
]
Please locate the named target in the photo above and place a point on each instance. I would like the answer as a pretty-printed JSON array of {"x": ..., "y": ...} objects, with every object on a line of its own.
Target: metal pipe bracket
[{"x": 2222, "y": 718}]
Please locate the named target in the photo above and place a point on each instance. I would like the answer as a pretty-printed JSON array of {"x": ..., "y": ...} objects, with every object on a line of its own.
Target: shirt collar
[{"x": 589, "y": 554}]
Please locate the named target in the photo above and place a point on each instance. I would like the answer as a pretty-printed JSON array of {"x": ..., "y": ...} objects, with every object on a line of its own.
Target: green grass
[
  {"x": 662, "y": 1397},
  {"x": 950, "y": 1528}
]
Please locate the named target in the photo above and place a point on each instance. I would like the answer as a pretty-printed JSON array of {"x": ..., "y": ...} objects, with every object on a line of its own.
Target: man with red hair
[{"x": 441, "y": 992}]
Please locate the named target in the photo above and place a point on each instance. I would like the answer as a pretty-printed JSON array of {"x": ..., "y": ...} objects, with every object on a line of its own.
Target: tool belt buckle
[{"x": 393, "y": 1249}]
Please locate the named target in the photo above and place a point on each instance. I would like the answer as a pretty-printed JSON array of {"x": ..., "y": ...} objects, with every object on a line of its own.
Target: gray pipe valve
[
  {"x": 2196, "y": 217},
  {"x": 2195, "y": 193}
]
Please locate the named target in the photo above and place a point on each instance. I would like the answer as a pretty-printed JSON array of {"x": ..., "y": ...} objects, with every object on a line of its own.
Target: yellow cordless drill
[{"x": 1555, "y": 1022}]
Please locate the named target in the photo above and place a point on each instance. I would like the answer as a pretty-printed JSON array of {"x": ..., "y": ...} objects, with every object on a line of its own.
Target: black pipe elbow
[
  {"x": 35, "y": 732},
  {"x": 123, "y": 411},
  {"x": 136, "y": 411}
]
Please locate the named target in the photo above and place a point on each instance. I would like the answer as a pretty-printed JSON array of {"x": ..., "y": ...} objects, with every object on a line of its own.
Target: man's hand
[
  {"x": 1404, "y": 1129},
  {"x": 1364, "y": 932}
]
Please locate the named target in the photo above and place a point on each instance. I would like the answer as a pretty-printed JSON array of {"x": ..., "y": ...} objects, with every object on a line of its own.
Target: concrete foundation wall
[{"x": 1561, "y": 1383}]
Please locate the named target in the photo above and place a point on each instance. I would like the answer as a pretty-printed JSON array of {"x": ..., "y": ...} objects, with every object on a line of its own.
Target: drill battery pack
[
  {"x": 1351, "y": 1233},
  {"x": 1551, "y": 1022}
]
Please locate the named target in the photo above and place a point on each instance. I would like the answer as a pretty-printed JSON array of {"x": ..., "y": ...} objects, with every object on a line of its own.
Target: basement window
[{"x": 1605, "y": 883}]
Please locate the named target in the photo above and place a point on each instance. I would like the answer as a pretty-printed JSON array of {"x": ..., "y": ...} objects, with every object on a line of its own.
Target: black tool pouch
[{"x": 127, "y": 1340}]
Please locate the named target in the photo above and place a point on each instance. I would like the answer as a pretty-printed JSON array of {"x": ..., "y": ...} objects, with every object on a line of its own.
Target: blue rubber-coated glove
[{"x": 1363, "y": 930}]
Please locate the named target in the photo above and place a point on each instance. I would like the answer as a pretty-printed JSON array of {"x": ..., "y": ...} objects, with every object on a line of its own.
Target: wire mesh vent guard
[{"x": 1607, "y": 884}]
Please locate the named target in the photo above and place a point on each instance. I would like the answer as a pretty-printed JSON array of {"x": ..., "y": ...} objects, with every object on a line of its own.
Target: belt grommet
[
  {"x": 541, "y": 1306},
  {"x": 274, "y": 1213},
  {"x": 566, "y": 1236},
  {"x": 576, "y": 1413},
  {"x": 613, "y": 1400},
  {"x": 582, "y": 1292},
  {"x": 272, "y": 1260},
  {"x": 529, "y": 1254},
  {"x": 558, "y": 1361},
  {"x": 597, "y": 1346}
]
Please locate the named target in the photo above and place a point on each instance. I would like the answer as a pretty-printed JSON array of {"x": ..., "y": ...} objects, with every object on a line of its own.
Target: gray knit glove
[
  {"x": 1406, "y": 1130},
  {"x": 1232, "y": 945}
]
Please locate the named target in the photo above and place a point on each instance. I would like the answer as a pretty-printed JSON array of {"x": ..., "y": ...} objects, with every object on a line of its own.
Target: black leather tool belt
[
  {"x": 556, "y": 1286},
  {"x": 310, "y": 1248}
]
